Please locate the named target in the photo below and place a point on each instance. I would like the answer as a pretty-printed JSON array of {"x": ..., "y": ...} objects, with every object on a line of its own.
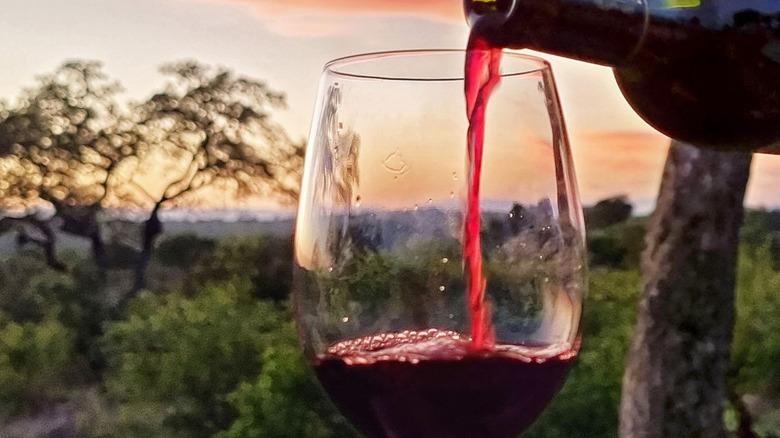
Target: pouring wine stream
[{"x": 481, "y": 77}]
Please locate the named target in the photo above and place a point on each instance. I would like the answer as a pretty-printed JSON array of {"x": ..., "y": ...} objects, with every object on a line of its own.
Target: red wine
[
  {"x": 702, "y": 71},
  {"x": 433, "y": 384},
  {"x": 481, "y": 76}
]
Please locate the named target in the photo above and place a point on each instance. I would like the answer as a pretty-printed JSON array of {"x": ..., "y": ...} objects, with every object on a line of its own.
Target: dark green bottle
[{"x": 703, "y": 71}]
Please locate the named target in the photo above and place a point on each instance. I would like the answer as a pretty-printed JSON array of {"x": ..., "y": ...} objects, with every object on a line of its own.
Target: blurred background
[{"x": 150, "y": 156}]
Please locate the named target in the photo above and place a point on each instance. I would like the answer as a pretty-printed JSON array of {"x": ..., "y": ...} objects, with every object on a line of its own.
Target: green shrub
[
  {"x": 20, "y": 299},
  {"x": 285, "y": 401},
  {"x": 185, "y": 355},
  {"x": 33, "y": 360},
  {"x": 756, "y": 345},
  {"x": 606, "y": 251},
  {"x": 120, "y": 255},
  {"x": 618, "y": 246},
  {"x": 587, "y": 406},
  {"x": 78, "y": 299},
  {"x": 266, "y": 261},
  {"x": 184, "y": 250}
]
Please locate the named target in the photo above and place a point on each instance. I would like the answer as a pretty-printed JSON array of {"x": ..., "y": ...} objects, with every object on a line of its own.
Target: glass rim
[{"x": 335, "y": 67}]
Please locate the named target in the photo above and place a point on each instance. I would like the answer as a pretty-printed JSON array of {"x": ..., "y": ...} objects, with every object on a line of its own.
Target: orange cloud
[{"x": 614, "y": 163}]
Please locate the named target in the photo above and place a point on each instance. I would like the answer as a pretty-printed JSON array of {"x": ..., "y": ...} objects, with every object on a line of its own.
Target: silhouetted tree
[
  {"x": 608, "y": 212},
  {"x": 60, "y": 145},
  {"x": 209, "y": 128}
]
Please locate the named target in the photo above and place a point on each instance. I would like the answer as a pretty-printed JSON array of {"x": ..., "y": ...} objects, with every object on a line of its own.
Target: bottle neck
[{"x": 606, "y": 32}]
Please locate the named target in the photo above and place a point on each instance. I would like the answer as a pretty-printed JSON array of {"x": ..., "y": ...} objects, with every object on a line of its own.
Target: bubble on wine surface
[{"x": 436, "y": 344}]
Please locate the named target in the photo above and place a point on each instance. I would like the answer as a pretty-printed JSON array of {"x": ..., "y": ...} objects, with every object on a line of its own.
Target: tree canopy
[{"x": 69, "y": 150}]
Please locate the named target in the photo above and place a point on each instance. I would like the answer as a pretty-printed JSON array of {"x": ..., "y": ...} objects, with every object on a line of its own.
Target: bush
[
  {"x": 187, "y": 354},
  {"x": 81, "y": 302},
  {"x": 758, "y": 226},
  {"x": 33, "y": 359},
  {"x": 20, "y": 298},
  {"x": 756, "y": 345},
  {"x": 184, "y": 250},
  {"x": 587, "y": 406},
  {"x": 606, "y": 251},
  {"x": 120, "y": 255},
  {"x": 265, "y": 260},
  {"x": 29, "y": 291},
  {"x": 618, "y": 246},
  {"x": 285, "y": 401}
]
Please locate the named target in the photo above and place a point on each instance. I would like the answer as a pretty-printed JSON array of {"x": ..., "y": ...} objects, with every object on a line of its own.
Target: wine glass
[{"x": 382, "y": 301}]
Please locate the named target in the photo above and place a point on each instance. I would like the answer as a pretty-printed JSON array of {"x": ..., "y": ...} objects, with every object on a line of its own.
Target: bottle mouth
[
  {"x": 500, "y": 9},
  {"x": 487, "y": 17}
]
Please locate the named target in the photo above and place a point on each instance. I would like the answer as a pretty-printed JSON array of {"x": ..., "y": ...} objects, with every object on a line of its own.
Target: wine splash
[{"x": 481, "y": 77}]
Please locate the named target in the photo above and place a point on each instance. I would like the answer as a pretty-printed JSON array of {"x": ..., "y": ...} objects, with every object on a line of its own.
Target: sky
[{"x": 287, "y": 42}]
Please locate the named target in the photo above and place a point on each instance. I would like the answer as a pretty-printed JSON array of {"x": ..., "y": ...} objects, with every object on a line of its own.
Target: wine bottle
[{"x": 703, "y": 71}]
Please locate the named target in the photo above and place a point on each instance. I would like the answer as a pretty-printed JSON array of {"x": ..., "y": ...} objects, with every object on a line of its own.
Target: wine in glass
[{"x": 440, "y": 268}]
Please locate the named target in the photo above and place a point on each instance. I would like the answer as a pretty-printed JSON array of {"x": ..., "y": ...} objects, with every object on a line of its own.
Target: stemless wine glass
[{"x": 380, "y": 290}]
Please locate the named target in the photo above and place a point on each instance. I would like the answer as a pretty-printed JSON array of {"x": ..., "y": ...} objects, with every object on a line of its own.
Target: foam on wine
[{"x": 434, "y": 344}]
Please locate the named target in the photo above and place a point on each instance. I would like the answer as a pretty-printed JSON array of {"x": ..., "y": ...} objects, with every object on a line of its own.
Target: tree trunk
[
  {"x": 675, "y": 380},
  {"x": 84, "y": 222},
  {"x": 99, "y": 251},
  {"x": 48, "y": 243},
  {"x": 151, "y": 229}
]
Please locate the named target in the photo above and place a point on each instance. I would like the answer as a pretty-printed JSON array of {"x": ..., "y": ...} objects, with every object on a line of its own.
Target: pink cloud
[
  {"x": 441, "y": 9},
  {"x": 316, "y": 18}
]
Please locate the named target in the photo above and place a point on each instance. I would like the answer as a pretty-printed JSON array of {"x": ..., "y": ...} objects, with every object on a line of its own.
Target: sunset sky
[{"x": 286, "y": 43}]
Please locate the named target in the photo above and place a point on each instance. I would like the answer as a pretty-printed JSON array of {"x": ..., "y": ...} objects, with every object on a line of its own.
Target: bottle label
[{"x": 679, "y": 4}]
